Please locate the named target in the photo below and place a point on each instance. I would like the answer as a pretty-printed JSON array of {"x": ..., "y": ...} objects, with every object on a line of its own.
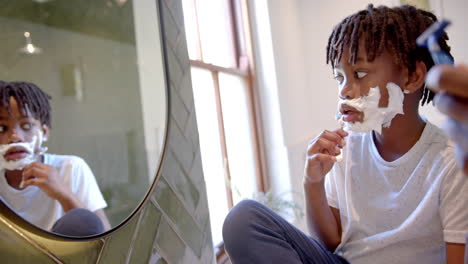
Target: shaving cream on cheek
[
  {"x": 30, "y": 157},
  {"x": 374, "y": 116}
]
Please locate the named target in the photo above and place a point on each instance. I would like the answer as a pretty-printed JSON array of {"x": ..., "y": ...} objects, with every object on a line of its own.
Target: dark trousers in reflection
[{"x": 78, "y": 222}]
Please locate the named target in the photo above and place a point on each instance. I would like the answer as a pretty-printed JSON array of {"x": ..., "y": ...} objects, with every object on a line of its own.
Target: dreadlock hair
[
  {"x": 30, "y": 99},
  {"x": 394, "y": 29}
]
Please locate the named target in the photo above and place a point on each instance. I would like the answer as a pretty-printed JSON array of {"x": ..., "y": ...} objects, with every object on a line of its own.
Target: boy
[
  {"x": 43, "y": 188},
  {"x": 396, "y": 195}
]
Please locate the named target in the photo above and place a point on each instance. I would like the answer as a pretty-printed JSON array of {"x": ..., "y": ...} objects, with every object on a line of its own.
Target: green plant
[{"x": 275, "y": 202}]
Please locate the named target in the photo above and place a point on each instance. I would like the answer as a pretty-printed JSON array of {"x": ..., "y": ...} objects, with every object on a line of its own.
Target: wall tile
[
  {"x": 172, "y": 31},
  {"x": 169, "y": 244},
  {"x": 196, "y": 172},
  {"x": 182, "y": 184},
  {"x": 186, "y": 226},
  {"x": 181, "y": 148},
  {"x": 119, "y": 244},
  {"x": 201, "y": 214},
  {"x": 179, "y": 111},
  {"x": 175, "y": 68},
  {"x": 176, "y": 7},
  {"x": 156, "y": 258},
  {"x": 191, "y": 130},
  {"x": 181, "y": 51},
  {"x": 161, "y": 261},
  {"x": 145, "y": 237}
]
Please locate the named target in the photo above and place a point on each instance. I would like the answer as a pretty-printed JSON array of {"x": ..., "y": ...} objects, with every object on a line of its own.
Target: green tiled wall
[{"x": 173, "y": 226}]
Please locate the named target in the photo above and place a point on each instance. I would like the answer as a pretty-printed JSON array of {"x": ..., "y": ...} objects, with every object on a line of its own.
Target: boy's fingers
[
  {"x": 328, "y": 142},
  {"x": 33, "y": 172},
  {"x": 341, "y": 132},
  {"x": 322, "y": 157},
  {"x": 324, "y": 146},
  {"x": 336, "y": 151},
  {"x": 31, "y": 166},
  {"x": 32, "y": 181},
  {"x": 452, "y": 79},
  {"x": 337, "y": 136},
  {"x": 456, "y": 108},
  {"x": 37, "y": 165}
]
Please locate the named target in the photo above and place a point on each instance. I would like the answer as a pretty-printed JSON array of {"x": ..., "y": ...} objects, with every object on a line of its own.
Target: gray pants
[
  {"x": 466, "y": 250},
  {"x": 253, "y": 233},
  {"x": 78, "y": 222}
]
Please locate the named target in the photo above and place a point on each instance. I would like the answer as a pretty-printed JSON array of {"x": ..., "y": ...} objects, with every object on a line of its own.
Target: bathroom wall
[{"x": 173, "y": 226}]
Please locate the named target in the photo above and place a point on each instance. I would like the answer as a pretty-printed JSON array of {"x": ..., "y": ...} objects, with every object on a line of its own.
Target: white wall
[{"x": 298, "y": 93}]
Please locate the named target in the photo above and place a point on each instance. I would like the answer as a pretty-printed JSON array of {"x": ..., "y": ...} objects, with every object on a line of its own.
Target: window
[{"x": 218, "y": 44}]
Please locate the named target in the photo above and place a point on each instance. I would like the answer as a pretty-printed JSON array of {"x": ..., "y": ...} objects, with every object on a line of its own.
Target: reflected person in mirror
[
  {"x": 396, "y": 194},
  {"x": 55, "y": 192}
]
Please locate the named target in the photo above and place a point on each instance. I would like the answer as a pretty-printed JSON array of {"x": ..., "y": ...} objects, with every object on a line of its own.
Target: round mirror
[{"x": 99, "y": 66}]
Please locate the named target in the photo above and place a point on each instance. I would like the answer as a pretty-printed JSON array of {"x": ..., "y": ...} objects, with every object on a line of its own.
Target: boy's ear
[
  {"x": 45, "y": 133},
  {"x": 417, "y": 78}
]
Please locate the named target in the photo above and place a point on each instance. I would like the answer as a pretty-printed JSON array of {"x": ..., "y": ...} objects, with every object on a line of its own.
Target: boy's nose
[
  {"x": 348, "y": 92},
  {"x": 15, "y": 136}
]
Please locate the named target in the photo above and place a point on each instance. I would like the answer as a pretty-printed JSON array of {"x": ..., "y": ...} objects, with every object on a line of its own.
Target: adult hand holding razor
[
  {"x": 321, "y": 155},
  {"x": 451, "y": 84}
]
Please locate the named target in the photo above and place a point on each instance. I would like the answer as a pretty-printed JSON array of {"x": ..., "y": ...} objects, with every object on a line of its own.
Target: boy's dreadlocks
[
  {"x": 394, "y": 29},
  {"x": 30, "y": 99}
]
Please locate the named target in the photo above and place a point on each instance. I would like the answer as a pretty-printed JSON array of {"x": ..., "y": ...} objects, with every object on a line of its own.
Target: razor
[{"x": 430, "y": 39}]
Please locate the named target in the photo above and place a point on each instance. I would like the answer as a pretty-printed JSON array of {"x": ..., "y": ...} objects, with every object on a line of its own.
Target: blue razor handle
[{"x": 429, "y": 39}]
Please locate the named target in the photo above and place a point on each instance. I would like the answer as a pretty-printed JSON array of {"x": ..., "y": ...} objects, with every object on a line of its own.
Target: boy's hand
[
  {"x": 321, "y": 154},
  {"x": 45, "y": 177}
]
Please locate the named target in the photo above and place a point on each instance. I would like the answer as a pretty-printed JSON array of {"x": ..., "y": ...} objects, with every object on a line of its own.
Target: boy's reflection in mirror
[{"x": 55, "y": 192}]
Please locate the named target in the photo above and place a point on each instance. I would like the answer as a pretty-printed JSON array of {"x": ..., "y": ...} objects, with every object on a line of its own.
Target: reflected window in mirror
[
  {"x": 218, "y": 41},
  {"x": 100, "y": 68}
]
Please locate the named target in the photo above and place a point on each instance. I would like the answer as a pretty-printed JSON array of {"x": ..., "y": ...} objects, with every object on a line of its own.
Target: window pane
[
  {"x": 216, "y": 32},
  {"x": 239, "y": 140},
  {"x": 210, "y": 148},
  {"x": 191, "y": 30}
]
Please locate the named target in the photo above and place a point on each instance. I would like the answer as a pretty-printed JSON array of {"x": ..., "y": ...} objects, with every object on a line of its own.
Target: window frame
[{"x": 239, "y": 21}]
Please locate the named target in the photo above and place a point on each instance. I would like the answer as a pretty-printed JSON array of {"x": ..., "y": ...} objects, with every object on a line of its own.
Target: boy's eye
[
  {"x": 27, "y": 126},
  {"x": 339, "y": 78},
  {"x": 2, "y": 128},
  {"x": 360, "y": 74}
]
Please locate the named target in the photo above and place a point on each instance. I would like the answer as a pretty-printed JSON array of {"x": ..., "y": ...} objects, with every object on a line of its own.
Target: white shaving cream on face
[
  {"x": 374, "y": 116},
  {"x": 20, "y": 164}
]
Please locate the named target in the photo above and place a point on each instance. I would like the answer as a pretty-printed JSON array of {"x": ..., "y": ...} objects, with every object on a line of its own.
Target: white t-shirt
[
  {"x": 39, "y": 209},
  {"x": 401, "y": 211}
]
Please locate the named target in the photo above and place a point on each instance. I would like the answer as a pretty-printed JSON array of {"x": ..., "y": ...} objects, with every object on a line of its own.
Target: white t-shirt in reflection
[
  {"x": 401, "y": 211},
  {"x": 39, "y": 209}
]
